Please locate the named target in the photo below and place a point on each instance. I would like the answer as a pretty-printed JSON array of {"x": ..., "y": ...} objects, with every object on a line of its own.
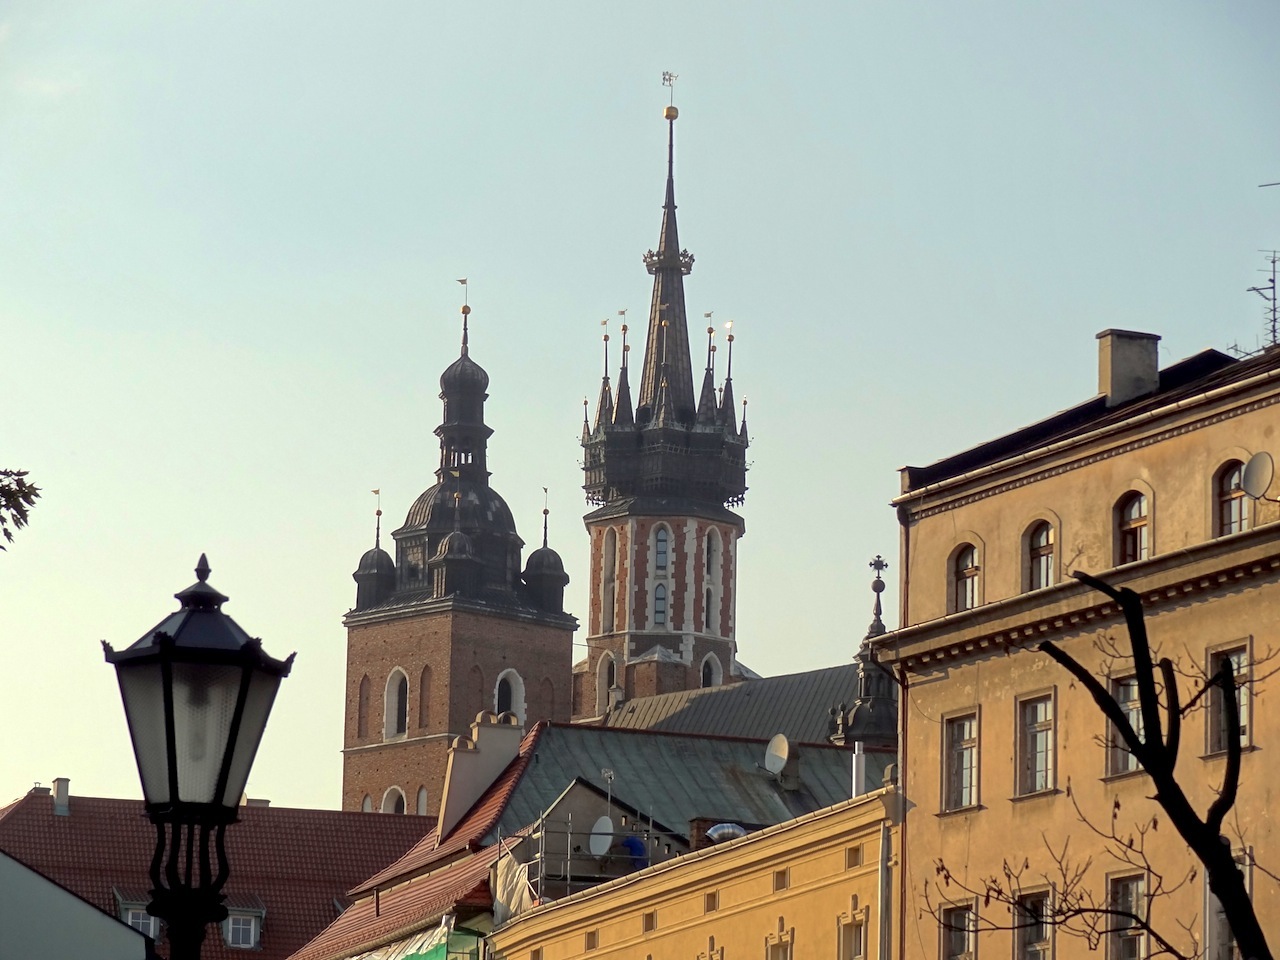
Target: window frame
[
  {"x": 964, "y": 580},
  {"x": 1215, "y": 715},
  {"x": 254, "y": 921},
  {"x": 1023, "y": 947},
  {"x": 1133, "y": 535},
  {"x": 154, "y": 924},
  {"x": 1231, "y": 513},
  {"x": 1026, "y": 780},
  {"x": 395, "y": 708},
  {"x": 947, "y": 929},
  {"x": 1118, "y": 936},
  {"x": 950, "y": 802},
  {"x": 1120, "y": 760},
  {"x": 1041, "y": 558},
  {"x": 661, "y": 618},
  {"x": 661, "y": 549}
]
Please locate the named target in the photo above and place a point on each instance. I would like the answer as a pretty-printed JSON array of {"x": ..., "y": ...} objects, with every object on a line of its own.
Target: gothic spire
[
  {"x": 622, "y": 415},
  {"x": 728, "y": 416},
  {"x": 604, "y": 407},
  {"x": 668, "y": 265},
  {"x": 707, "y": 412}
]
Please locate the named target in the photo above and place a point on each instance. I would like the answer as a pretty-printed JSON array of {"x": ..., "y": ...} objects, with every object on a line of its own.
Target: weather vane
[{"x": 669, "y": 80}]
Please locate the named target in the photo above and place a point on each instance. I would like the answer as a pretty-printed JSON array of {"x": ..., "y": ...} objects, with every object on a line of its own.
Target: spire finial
[
  {"x": 876, "y": 628},
  {"x": 457, "y": 510},
  {"x": 625, "y": 349},
  {"x": 545, "y": 513},
  {"x": 728, "y": 329},
  {"x": 466, "y": 312},
  {"x": 711, "y": 350},
  {"x": 605, "y": 324},
  {"x": 377, "y": 520},
  {"x": 202, "y": 569}
]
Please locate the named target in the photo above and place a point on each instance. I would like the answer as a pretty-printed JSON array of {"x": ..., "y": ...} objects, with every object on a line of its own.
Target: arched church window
[
  {"x": 712, "y": 672},
  {"x": 504, "y": 696},
  {"x": 393, "y": 800},
  {"x": 396, "y": 718},
  {"x": 422, "y": 801},
  {"x": 608, "y": 584},
  {"x": 661, "y": 544},
  {"x": 362, "y": 708},
  {"x": 508, "y": 694},
  {"x": 660, "y": 605}
]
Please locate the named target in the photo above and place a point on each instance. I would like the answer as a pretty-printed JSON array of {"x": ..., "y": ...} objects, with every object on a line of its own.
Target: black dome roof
[
  {"x": 481, "y": 507},
  {"x": 544, "y": 560},
  {"x": 464, "y": 374},
  {"x": 376, "y": 560}
]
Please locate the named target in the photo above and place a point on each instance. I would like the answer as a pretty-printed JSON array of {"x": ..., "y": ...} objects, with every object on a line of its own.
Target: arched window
[
  {"x": 396, "y": 712},
  {"x": 508, "y": 694},
  {"x": 393, "y": 801},
  {"x": 661, "y": 549},
  {"x": 659, "y": 605},
  {"x": 713, "y": 548},
  {"x": 964, "y": 578},
  {"x": 422, "y": 801},
  {"x": 424, "y": 697},
  {"x": 1133, "y": 528},
  {"x": 1231, "y": 505},
  {"x": 362, "y": 708},
  {"x": 606, "y": 678},
  {"x": 608, "y": 583},
  {"x": 1040, "y": 556},
  {"x": 712, "y": 672},
  {"x": 366, "y": 805}
]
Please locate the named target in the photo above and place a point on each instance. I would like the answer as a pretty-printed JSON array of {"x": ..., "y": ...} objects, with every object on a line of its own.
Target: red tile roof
[
  {"x": 406, "y": 909},
  {"x": 297, "y": 863},
  {"x": 468, "y": 833}
]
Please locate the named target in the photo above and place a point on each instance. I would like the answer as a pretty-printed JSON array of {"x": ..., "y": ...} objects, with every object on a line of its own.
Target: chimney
[
  {"x": 1128, "y": 365},
  {"x": 474, "y": 763},
  {"x": 256, "y": 802},
  {"x": 62, "y": 797}
]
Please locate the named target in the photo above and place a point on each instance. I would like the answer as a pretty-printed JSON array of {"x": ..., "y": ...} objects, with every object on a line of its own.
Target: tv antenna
[{"x": 1267, "y": 291}]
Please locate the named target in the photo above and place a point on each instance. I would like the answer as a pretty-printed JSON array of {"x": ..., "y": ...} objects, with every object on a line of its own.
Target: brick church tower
[
  {"x": 452, "y": 626},
  {"x": 664, "y": 543}
]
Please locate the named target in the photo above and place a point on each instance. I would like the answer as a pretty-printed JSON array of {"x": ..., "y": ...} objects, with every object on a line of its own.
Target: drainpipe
[{"x": 886, "y": 895}]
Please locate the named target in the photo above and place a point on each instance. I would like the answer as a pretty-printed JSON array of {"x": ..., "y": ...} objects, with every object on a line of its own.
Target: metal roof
[{"x": 796, "y": 704}]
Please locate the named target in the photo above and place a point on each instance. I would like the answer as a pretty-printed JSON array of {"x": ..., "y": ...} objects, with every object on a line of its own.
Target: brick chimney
[{"x": 1128, "y": 365}]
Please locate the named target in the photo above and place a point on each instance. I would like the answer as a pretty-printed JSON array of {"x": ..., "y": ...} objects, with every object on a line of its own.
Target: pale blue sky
[{"x": 229, "y": 235}]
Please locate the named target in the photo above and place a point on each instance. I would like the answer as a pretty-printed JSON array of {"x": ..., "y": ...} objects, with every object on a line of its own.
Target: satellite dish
[
  {"x": 1258, "y": 474},
  {"x": 775, "y": 755},
  {"x": 601, "y": 837}
]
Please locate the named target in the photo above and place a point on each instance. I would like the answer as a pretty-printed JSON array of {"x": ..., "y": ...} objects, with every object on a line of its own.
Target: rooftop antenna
[
  {"x": 377, "y": 528},
  {"x": 1267, "y": 291},
  {"x": 545, "y": 513},
  {"x": 605, "y": 324}
]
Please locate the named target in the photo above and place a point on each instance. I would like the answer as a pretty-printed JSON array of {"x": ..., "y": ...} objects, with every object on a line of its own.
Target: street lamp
[{"x": 197, "y": 690}]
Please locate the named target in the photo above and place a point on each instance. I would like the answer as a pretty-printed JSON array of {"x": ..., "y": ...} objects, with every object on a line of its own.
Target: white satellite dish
[
  {"x": 601, "y": 837},
  {"x": 1258, "y": 474},
  {"x": 775, "y": 755}
]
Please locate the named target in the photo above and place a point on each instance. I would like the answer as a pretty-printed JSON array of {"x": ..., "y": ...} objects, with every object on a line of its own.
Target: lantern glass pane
[
  {"x": 204, "y": 701},
  {"x": 262, "y": 693},
  {"x": 142, "y": 690}
]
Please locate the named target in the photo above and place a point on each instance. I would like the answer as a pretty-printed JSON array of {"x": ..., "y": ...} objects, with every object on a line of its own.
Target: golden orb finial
[
  {"x": 466, "y": 310},
  {"x": 670, "y": 112}
]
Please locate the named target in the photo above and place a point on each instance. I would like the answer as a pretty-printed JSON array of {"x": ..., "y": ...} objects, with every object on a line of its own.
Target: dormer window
[
  {"x": 138, "y": 918},
  {"x": 241, "y": 930}
]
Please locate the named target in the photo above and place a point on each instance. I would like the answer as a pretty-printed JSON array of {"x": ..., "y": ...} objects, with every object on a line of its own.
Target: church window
[
  {"x": 1040, "y": 556},
  {"x": 661, "y": 544},
  {"x": 362, "y": 708},
  {"x": 606, "y": 678},
  {"x": 712, "y": 672},
  {"x": 422, "y": 801},
  {"x": 424, "y": 697},
  {"x": 396, "y": 719},
  {"x": 708, "y": 610},
  {"x": 608, "y": 582},
  {"x": 366, "y": 805},
  {"x": 964, "y": 578},
  {"x": 393, "y": 800},
  {"x": 1232, "y": 506},
  {"x": 1133, "y": 529},
  {"x": 508, "y": 695},
  {"x": 660, "y": 606}
]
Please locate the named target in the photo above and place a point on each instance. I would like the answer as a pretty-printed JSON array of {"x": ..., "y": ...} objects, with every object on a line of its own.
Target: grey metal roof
[
  {"x": 796, "y": 704},
  {"x": 675, "y": 778}
]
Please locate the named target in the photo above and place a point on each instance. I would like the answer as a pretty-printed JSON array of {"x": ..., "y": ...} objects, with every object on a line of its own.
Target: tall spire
[
  {"x": 669, "y": 265},
  {"x": 604, "y": 407},
  {"x": 728, "y": 416},
  {"x": 707, "y": 412},
  {"x": 622, "y": 414}
]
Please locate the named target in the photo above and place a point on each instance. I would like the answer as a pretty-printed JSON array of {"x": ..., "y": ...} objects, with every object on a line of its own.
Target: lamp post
[{"x": 197, "y": 691}]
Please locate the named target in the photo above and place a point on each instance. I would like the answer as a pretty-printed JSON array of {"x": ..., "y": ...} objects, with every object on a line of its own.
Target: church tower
[
  {"x": 664, "y": 543},
  {"x": 452, "y": 626}
]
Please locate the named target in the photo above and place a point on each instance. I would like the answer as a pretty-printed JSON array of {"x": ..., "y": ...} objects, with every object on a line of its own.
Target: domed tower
[
  {"x": 451, "y": 627},
  {"x": 664, "y": 543}
]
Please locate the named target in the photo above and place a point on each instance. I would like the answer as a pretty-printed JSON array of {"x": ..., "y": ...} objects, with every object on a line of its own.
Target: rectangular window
[
  {"x": 650, "y": 921},
  {"x": 1220, "y": 732},
  {"x": 960, "y": 762},
  {"x": 139, "y": 919},
  {"x": 1126, "y": 896},
  {"x": 852, "y": 939},
  {"x": 242, "y": 931},
  {"x": 779, "y": 951},
  {"x": 1035, "y": 745},
  {"x": 853, "y": 856},
  {"x": 1032, "y": 933},
  {"x": 1119, "y": 759},
  {"x": 591, "y": 940},
  {"x": 781, "y": 880},
  {"x": 959, "y": 933},
  {"x": 535, "y": 953},
  {"x": 711, "y": 902}
]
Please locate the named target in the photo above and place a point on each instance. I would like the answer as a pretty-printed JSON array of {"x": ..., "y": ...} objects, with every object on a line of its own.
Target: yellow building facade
[
  {"x": 1002, "y": 751},
  {"x": 818, "y": 886}
]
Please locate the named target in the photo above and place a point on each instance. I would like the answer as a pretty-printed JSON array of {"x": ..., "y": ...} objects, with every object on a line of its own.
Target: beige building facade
[
  {"x": 1002, "y": 751},
  {"x": 818, "y": 886}
]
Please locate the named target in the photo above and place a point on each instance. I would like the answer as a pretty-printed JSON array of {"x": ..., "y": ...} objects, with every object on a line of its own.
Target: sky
[{"x": 230, "y": 235}]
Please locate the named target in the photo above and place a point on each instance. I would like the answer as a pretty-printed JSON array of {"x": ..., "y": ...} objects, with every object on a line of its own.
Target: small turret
[
  {"x": 544, "y": 575},
  {"x": 375, "y": 575},
  {"x": 455, "y": 568}
]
